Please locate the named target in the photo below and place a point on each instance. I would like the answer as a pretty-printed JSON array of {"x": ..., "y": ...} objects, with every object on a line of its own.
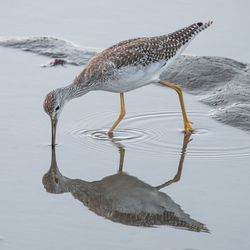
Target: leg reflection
[
  {"x": 121, "y": 150},
  {"x": 186, "y": 140},
  {"x": 122, "y": 155},
  {"x": 177, "y": 177}
]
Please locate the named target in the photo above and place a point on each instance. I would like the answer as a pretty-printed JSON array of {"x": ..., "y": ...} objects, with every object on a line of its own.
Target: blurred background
[{"x": 102, "y": 23}]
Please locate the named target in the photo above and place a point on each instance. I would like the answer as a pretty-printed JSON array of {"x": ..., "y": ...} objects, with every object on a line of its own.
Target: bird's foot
[
  {"x": 188, "y": 128},
  {"x": 110, "y": 134}
]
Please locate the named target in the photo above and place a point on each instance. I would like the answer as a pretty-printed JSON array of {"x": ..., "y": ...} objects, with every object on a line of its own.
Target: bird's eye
[{"x": 57, "y": 108}]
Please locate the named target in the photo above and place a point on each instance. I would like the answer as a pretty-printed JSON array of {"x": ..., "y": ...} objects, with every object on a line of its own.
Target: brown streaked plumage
[
  {"x": 141, "y": 51},
  {"x": 49, "y": 102},
  {"x": 126, "y": 66}
]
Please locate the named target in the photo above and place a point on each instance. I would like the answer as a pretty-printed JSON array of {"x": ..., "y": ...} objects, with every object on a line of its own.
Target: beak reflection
[{"x": 53, "y": 131}]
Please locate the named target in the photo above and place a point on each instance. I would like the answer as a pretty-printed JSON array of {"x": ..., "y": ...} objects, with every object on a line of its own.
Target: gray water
[{"x": 214, "y": 184}]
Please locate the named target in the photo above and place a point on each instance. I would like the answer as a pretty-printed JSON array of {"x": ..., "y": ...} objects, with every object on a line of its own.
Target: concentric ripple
[
  {"x": 119, "y": 136},
  {"x": 161, "y": 133}
]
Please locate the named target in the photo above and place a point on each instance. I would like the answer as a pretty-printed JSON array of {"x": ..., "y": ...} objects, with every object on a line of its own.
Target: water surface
[{"x": 212, "y": 190}]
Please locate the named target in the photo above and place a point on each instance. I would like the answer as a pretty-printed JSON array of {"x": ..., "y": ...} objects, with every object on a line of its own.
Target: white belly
[{"x": 132, "y": 77}]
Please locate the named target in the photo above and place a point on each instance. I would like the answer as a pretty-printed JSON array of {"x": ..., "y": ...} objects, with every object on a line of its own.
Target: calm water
[{"x": 214, "y": 184}]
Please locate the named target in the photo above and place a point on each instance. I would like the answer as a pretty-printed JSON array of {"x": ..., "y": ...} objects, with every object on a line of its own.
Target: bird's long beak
[{"x": 53, "y": 129}]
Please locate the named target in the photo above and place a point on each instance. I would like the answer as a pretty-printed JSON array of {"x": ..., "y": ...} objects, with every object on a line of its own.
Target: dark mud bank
[{"x": 222, "y": 83}]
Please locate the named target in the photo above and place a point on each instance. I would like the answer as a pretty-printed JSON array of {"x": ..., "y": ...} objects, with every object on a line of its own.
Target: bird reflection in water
[{"x": 125, "y": 199}]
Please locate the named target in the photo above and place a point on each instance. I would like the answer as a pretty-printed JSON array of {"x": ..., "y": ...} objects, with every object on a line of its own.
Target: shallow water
[
  {"x": 214, "y": 184},
  {"x": 213, "y": 187}
]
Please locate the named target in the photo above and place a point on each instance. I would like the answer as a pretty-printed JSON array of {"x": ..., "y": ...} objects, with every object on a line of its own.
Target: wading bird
[{"x": 123, "y": 67}]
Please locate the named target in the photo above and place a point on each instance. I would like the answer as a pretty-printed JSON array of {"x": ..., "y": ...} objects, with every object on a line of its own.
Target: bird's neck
[{"x": 74, "y": 90}]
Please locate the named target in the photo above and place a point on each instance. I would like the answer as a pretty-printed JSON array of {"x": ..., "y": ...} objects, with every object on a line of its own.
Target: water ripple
[{"x": 157, "y": 133}]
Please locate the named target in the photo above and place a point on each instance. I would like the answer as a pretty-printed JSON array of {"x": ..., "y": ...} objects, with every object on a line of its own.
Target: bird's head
[{"x": 53, "y": 105}]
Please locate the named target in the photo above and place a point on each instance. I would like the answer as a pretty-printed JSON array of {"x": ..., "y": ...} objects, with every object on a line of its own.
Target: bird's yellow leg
[
  {"x": 187, "y": 123},
  {"x": 120, "y": 116}
]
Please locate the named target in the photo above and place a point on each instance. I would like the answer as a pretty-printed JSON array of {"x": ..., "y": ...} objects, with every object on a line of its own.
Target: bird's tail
[{"x": 188, "y": 33}]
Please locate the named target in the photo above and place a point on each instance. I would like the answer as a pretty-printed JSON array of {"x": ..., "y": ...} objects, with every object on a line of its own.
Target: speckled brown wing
[
  {"x": 143, "y": 52},
  {"x": 139, "y": 51}
]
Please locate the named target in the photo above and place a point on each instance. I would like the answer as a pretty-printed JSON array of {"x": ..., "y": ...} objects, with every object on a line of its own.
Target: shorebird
[
  {"x": 124, "y": 198},
  {"x": 123, "y": 67}
]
